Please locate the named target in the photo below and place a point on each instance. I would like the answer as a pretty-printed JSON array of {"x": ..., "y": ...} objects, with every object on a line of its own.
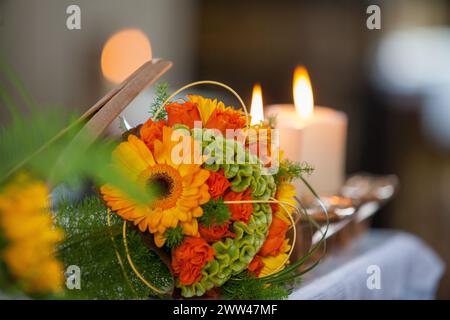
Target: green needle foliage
[
  {"x": 215, "y": 212},
  {"x": 290, "y": 170},
  {"x": 88, "y": 245},
  {"x": 248, "y": 287},
  {"x": 161, "y": 95},
  {"x": 174, "y": 236}
]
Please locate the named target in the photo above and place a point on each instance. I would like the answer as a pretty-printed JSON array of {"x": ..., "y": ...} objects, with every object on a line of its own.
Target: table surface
[{"x": 382, "y": 264}]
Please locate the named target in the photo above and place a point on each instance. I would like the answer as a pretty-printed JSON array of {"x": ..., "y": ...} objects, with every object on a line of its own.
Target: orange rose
[
  {"x": 185, "y": 113},
  {"x": 225, "y": 119},
  {"x": 150, "y": 131},
  {"x": 215, "y": 232},
  {"x": 256, "y": 265},
  {"x": 239, "y": 211},
  {"x": 217, "y": 184},
  {"x": 275, "y": 239},
  {"x": 275, "y": 207},
  {"x": 189, "y": 258}
]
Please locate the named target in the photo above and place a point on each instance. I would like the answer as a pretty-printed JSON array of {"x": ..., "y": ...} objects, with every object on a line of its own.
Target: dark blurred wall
[{"x": 243, "y": 42}]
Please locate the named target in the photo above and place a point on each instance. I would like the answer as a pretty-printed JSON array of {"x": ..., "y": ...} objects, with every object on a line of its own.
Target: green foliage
[
  {"x": 88, "y": 245},
  {"x": 174, "y": 236},
  {"x": 247, "y": 287},
  {"x": 215, "y": 212},
  {"x": 290, "y": 170},
  {"x": 161, "y": 95}
]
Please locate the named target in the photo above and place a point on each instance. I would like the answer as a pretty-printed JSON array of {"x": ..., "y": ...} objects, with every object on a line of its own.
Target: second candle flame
[
  {"x": 256, "y": 111},
  {"x": 303, "y": 94}
]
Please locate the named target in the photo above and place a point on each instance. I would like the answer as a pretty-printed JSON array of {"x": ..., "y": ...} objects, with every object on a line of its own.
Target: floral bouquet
[{"x": 223, "y": 207}]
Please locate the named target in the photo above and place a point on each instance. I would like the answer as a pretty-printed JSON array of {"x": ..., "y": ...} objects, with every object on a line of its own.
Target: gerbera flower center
[
  {"x": 167, "y": 183},
  {"x": 163, "y": 184}
]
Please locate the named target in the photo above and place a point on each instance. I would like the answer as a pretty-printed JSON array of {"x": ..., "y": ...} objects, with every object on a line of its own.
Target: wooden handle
[{"x": 103, "y": 113}]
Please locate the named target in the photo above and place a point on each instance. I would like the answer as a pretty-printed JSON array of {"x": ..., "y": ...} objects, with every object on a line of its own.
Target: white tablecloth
[{"x": 408, "y": 269}]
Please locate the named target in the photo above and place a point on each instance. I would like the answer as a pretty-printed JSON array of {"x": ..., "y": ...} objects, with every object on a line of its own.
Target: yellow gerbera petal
[
  {"x": 200, "y": 178},
  {"x": 277, "y": 263},
  {"x": 190, "y": 228},
  {"x": 286, "y": 193},
  {"x": 133, "y": 157},
  {"x": 205, "y": 106},
  {"x": 31, "y": 238},
  {"x": 160, "y": 239}
]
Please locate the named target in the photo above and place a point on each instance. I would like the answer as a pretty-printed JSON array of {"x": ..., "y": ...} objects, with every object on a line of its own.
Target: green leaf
[{"x": 215, "y": 212}]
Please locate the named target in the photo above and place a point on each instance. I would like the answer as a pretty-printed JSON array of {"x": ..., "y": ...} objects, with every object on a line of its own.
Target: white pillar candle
[
  {"x": 316, "y": 135},
  {"x": 319, "y": 140}
]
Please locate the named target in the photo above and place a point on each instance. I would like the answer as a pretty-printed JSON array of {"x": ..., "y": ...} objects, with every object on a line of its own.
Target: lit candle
[{"x": 316, "y": 135}]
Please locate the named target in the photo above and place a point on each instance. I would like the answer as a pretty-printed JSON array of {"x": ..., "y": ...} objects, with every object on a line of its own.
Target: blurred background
[{"x": 393, "y": 83}]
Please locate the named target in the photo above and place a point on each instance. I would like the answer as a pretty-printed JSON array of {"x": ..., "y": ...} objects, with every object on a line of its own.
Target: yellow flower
[
  {"x": 277, "y": 263},
  {"x": 206, "y": 106},
  {"x": 27, "y": 226},
  {"x": 285, "y": 193},
  {"x": 183, "y": 187}
]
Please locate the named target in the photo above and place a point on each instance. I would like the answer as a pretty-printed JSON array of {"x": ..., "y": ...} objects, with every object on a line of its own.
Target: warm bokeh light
[
  {"x": 123, "y": 53},
  {"x": 303, "y": 94},
  {"x": 256, "y": 111}
]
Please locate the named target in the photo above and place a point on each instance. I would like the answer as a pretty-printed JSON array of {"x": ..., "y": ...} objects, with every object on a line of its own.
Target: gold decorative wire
[
  {"x": 197, "y": 83},
  {"x": 130, "y": 261},
  {"x": 116, "y": 250}
]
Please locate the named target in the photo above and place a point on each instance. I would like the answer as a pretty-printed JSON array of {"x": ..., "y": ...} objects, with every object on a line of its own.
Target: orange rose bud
[
  {"x": 215, "y": 232},
  {"x": 239, "y": 211},
  {"x": 256, "y": 265},
  {"x": 217, "y": 184},
  {"x": 189, "y": 258},
  {"x": 185, "y": 113},
  {"x": 151, "y": 131},
  {"x": 275, "y": 206},
  {"x": 225, "y": 119},
  {"x": 275, "y": 239}
]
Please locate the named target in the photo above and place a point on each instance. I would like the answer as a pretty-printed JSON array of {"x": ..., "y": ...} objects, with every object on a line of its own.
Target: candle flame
[
  {"x": 303, "y": 94},
  {"x": 256, "y": 111}
]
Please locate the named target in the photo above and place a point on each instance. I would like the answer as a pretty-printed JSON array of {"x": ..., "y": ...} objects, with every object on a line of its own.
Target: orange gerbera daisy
[{"x": 182, "y": 187}]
